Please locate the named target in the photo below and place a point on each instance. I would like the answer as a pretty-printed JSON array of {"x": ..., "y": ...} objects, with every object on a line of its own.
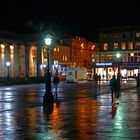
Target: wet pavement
[{"x": 80, "y": 113}]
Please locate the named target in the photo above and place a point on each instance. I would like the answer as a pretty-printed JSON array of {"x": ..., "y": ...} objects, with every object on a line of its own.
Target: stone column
[
  {"x": 26, "y": 54},
  {"x": 16, "y": 61},
  {"x": 39, "y": 61}
]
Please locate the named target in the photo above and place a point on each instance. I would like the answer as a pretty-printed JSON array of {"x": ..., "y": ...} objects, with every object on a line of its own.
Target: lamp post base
[
  {"x": 48, "y": 99},
  {"x": 8, "y": 79}
]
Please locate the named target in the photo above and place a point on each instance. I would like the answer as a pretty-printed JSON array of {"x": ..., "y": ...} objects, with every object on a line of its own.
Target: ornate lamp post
[
  {"x": 118, "y": 55},
  {"x": 48, "y": 97},
  {"x": 8, "y": 72}
]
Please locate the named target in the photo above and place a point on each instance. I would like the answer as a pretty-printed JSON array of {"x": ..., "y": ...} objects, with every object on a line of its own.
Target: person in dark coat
[
  {"x": 95, "y": 79},
  {"x": 138, "y": 80},
  {"x": 113, "y": 87},
  {"x": 55, "y": 82}
]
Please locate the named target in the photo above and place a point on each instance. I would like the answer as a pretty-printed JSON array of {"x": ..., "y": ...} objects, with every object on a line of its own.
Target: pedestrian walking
[
  {"x": 99, "y": 79},
  {"x": 114, "y": 88},
  {"x": 95, "y": 79},
  {"x": 138, "y": 80},
  {"x": 56, "y": 82}
]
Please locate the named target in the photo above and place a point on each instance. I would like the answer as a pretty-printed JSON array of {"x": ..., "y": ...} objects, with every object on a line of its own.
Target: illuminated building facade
[
  {"x": 29, "y": 58},
  {"x": 125, "y": 41},
  {"x": 81, "y": 52}
]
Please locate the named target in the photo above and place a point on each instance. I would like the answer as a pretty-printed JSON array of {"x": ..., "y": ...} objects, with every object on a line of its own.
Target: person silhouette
[
  {"x": 56, "y": 82},
  {"x": 113, "y": 87}
]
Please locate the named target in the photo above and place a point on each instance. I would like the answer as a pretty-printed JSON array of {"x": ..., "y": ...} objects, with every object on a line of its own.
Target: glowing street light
[
  {"x": 8, "y": 72},
  {"x": 48, "y": 97},
  {"x": 118, "y": 55}
]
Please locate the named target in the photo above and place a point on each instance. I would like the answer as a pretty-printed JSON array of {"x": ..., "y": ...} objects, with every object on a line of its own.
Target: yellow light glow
[
  {"x": 11, "y": 47},
  {"x": 82, "y": 46},
  {"x": 2, "y": 46},
  {"x": 54, "y": 49},
  {"x": 115, "y": 45},
  {"x": 93, "y": 47}
]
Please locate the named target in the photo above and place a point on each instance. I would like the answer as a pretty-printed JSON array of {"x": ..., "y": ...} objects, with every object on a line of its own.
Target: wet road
[{"x": 79, "y": 114}]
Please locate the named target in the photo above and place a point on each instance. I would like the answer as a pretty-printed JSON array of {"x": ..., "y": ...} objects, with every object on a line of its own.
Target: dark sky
[{"x": 67, "y": 17}]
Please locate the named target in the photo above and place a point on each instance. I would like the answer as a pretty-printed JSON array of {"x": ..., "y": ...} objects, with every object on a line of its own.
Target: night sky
[{"x": 67, "y": 17}]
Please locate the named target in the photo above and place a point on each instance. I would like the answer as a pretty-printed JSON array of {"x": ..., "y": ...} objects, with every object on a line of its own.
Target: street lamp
[
  {"x": 8, "y": 72},
  {"x": 118, "y": 55},
  {"x": 48, "y": 97}
]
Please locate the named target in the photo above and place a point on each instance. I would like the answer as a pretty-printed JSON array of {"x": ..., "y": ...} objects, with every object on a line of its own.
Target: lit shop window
[{"x": 131, "y": 54}]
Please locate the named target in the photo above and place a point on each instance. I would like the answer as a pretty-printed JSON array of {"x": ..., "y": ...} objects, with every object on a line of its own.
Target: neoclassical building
[
  {"x": 12, "y": 49},
  {"x": 29, "y": 58}
]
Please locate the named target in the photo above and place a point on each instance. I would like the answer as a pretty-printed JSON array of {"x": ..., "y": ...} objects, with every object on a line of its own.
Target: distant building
[
  {"x": 122, "y": 40},
  {"x": 81, "y": 52}
]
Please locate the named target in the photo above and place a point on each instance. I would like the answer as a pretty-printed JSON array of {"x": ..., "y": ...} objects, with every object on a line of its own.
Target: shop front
[{"x": 108, "y": 69}]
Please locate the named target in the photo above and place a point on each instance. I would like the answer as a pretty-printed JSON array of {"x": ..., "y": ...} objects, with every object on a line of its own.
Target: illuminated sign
[{"x": 103, "y": 64}]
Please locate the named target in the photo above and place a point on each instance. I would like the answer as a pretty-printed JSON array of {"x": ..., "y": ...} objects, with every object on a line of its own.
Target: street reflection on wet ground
[{"x": 78, "y": 114}]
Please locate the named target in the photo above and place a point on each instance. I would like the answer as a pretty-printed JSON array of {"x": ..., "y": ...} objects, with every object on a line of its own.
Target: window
[
  {"x": 130, "y": 46},
  {"x": 63, "y": 58},
  {"x": 93, "y": 47},
  {"x": 54, "y": 49},
  {"x": 115, "y": 45},
  {"x": 82, "y": 46},
  {"x": 137, "y": 34},
  {"x": 105, "y": 46},
  {"x": 123, "y": 46},
  {"x": 132, "y": 57},
  {"x": 123, "y": 35},
  {"x": 137, "y": 45},
  {"x": 93, "y": 60},
  {"x": 66, "y": 58},
  {"x": 116, "y": 36},
  {"x": 131, "y": 35}
]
